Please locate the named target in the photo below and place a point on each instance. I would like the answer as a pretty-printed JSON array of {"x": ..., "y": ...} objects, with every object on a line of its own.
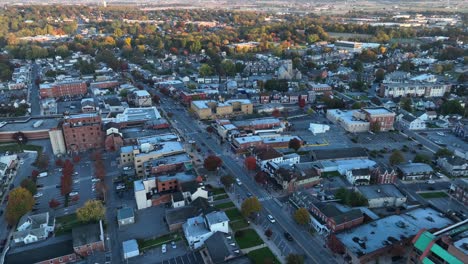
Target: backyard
[
  {"x": 429, "y": 195},
  {"x": 262, "y": 255},
  {"x": 66, "y": 223},
  {"x": 248, "y": 238},
  {"x": 144, "y": 244}
]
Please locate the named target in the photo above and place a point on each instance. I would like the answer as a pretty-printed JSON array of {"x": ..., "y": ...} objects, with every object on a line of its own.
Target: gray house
[
  {"x": 455, "y": 166},
  {"x": 125, "y": 216}
]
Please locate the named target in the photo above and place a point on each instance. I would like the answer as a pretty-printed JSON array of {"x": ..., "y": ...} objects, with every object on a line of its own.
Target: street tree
[
  {"x": 29, "y": 185},
  {"x": 53, "y": 204},
  {"x": 443, "y": 152},
  {"x": 268, "y": 233},
  {"x": 76, "y": 159},
  {"x": 251, "y": 206},
  {"x": 294, "y": 259},
  {"x": 294, "y": 144},
  {"x": 452, "y": 107},
  {"x": 422, "y": 158},
  {"x": 396, "y": 157},
  {"x": 250, "y": 163},
  {"x": 42, "y": 161},
  {"x": 407, "y": 104},
  {"x": 379, "y": 75},
  {"x": 227, "y": 180},
  {"x": 34, "y": 174},
  {"x": 101, "y": 189},
  {"x": 302, "y": 216},
  {"x": 212, "y": 163},
  {"x": 276, "y": 113},
  {"x": 261, "y": 177},
  {"x": 66, "y": 184},
  {"x": 205, "y": 70},
  {"x": 20, "y": 201},
  {"x": 20, "y": 138},
  {"x": 91, "y": 211}
]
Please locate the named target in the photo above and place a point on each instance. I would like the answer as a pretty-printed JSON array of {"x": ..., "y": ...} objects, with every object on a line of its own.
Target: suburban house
[
  {"x": 176, "y": 217},
  {"x": 125, "y": 216},
  {"x": 455, "y": 166},
  {"x": 383, "y": 195},
  {"x": 221, "y": 248},
  {"x": 414, "y": 171},
  {"x": 33, "y": 228},
  {"x": 88, "y": 238},
  {"x": 199, "y": 228},
  {"x": 177, "y": 200},
  {"x": 191, "y": 190},
  {"x": 411, "y": 122},
  {"x": 459, "y": 189},
  {"x": 292, "y": 177},
  {"x": 358, "y": 176}
]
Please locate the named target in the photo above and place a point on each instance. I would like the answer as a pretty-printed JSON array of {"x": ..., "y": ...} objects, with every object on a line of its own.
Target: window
[{"x": 61, "y": 259}]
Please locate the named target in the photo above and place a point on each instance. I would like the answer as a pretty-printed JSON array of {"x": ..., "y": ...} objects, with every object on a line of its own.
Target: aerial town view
[{"x": 217, "y": 131}]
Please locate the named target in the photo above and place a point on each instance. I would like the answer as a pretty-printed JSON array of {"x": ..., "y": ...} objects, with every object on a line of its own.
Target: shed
[{"x": 130, "y": 248}]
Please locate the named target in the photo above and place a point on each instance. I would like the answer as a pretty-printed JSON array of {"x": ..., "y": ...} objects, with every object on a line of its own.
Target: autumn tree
[
  {"x": 302, "y": 216},
  {"x": 227, "y": 180},
  {"x": 101, "y": 189},
  {"x": 302, "y": 103},
  {"x": 212, "y": 163},
  {"x": 250, "y": 206},
  {"x": 396, "y": 158},
  {"x": 42, "y": 161},
  {"x": 29, "y": 185},
  {"x": 294, "y": 144},
  {"x": 20, "y": 138},
  {"x": 268, "y": 233},
  {"x": 276, "y": 113},
  {"x": 92, "y": 211},
  {"x": 250, "y": 163},
  {"x": 76, "y": 159},
  {"x": 261, "y": 177},
  {"x": 59, "y": 162},
  {"x": 34, "y": 174},
  {"x": 294, "y": 259},
  {"x": 53, "y": 204},
  {"x": 20, "y": 201}
]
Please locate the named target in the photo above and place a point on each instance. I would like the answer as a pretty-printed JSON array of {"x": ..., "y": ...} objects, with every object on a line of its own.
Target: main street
[{"x": 312, "y": 246}]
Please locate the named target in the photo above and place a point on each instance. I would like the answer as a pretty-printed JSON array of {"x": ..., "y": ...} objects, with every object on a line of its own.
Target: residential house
[
  {"x": 411, "y": 122},
  {"x": 292, "y": 177},
  {"x": 191, "y": 190},
  {"x": 383, "y": 175},
  {"x": 461, "y": 129},
  {"x": 176, "y": 217},
  {"x": 382, "y": 195},
  {"x": 33, "y": 228},
  {"x": 125, "y": 216},
  {"x": 177, "y": 200},
  {"x": 459, "y": 189},
  {"x": 221, "y": 248},
  {"x": 455, "y": 166},
  {"x": 88, "y": 238},
  {"x": 414, "y": 171},
  {"x": 199, "y": 228},
  {"x": 358, "y": 176},
  {"x": 140, "y": 98},
  {"x": 55, "y": 250}
]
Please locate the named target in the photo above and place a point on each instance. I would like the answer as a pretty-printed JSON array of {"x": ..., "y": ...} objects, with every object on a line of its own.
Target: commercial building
[
  {"x": 414, "y": 89},
  {"x": 82, "y": 132},
  {"x": 140, "y": 98},
  {"x": 88, "y": 238},
  {"x": 444, "y": 246},
  {"x": 350, "y": 46},
  {"x": 358, "y": 176},
  {"x": 136, "y": 116},
  {"x": 209, "y": 109},
  {"x": 454, "y": 166},
  {"x": 365, "y": 119},
  {"x": 57, "y": 141},
  {"x": 339, "y": 154},
  {"x": 387, "y": 237},
  {"x": 459, "y": 189},
  {"x": 382, "y": 195},
  {"x": 62, "y": 89},
  {"x": 414, "y": 171}
]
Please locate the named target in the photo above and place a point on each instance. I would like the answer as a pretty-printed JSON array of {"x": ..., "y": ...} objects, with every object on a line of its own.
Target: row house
[{"x": 459, "y": 190}]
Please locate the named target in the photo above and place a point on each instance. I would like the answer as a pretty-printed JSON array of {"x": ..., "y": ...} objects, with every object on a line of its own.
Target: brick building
[
  {"x": 82, "y": 132},
  {"x": 87, "y": 239},
  {"x": 459, "y": 189},
  {"x": 188, "y": 97},
  {"x": 383, "y": 175},
  {"x": 62, "y": 89},
  {"x": 379, "y": 117}
]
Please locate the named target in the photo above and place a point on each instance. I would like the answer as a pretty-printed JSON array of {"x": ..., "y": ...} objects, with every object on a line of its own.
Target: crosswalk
[{"x": 266, "y": 198}]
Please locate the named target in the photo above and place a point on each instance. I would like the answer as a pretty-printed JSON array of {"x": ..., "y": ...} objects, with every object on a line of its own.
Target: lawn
[
  {"x": 216, "y": 191},
  {"x": 225, "y": 205},
  {"x": 66, "y": 223},
  {"x": 248, "y": 238},
  {"x": 220, "y": 197},
  {"x": 233, "y": 214},
  {"x": 239, "y": 224},
  {"x": 260, "y": 255},
  {"x": 144, "y": 244},
  {"x": 327, "y": 174},
  {"x": 429, "y": 195},
  {"x": 15, "y": 147}
]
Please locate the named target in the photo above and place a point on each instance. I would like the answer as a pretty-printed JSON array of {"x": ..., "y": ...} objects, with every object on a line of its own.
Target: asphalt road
[
  {"x": 312, "y": 246},
  {"x": 34, "y": 92}
]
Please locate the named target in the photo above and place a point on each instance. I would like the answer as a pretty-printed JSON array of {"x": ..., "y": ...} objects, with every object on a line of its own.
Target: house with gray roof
[
  {"x": 222, "y": 248},
  {"x": 199, "y": 228},
  {"x": 455, "y": 166},
  {"x": 33, "y": 228},
  {"x": 125, "y": 216},
  {"x": 414, "y": 171},
  {"x": 382, "y": 195}
]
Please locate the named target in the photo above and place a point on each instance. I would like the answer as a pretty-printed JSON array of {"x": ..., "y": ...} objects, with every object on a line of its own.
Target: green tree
[
  {"x": 350, "y": 197},
  {"x": 396, "y": 158},
  {"x": 29, "y": 185},
  {"x": 375, "y": 127},
  {"x": 205, "y": 70},
  {"x": 302, "y": 216},
  {"x": 443, "y": 152},
  {"x": 357, "y": 105},
  {"x": 92, "y": 211},
  {"x": 294, "y": 259},
  {"x": 407, "y": 66},
  {"x": 227, "y": 180},
  {"x": 228, "y": 67},
  {"x": 406, "y": 104},
  {"x": 250, "y": 206},
  {"x": 421, "y": 158},
  {"x": 358, "y": 66},
  {"x": 451, "y": 107},
  {"x": 379, "y": 75},
  {"x": 20, "y": 201}
]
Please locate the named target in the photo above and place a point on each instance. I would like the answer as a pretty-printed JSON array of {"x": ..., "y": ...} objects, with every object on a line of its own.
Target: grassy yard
[
  {"x": 15, "y": 147},
  {"x": 233, "y": 214},
  {"x": 144, "y": 244},
  {"x": 248, "y": 238},
  {"x": 220, "y": 197},
  {"x": 327, "y": 174},
  {"x": 260, "y": 255},
  {"x": 239, "y": 224},
  {"x": 66, "y": 223},
  {"x": 429, "y": 195},
  {"x": 225, "y": 205},
  {"x": 216, "y": 191}
]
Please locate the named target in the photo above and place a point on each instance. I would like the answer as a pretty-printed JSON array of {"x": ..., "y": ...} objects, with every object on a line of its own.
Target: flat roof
[
  {"x": 181, "y": 176},
  {"x": 130, "y": 245},
  {"x": 373, "y": 236},
  {"x": 157, "y": 138},
  {"x": 280, "y": 139},
  {"x": 346, "y": 115},
  {"x": 138, "y": 114},
  {"x": 47, "y": 124},
  {"x": 138, "y": 185},
  {"x": 380, "y": 191},
  {"x": 202, "y": 103},
  {"x": 259, "y": 121},
  {"x": 344, "y": 165},
  {"x": 410, "y": 168},
  {"x": 243, "y": 140},
  {"x": 165, "y": 148},
  {"x": 378, "y": 111}
]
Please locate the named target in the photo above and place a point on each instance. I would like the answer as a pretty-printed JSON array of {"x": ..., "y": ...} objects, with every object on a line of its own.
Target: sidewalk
[{"x": 276, "y": 251}]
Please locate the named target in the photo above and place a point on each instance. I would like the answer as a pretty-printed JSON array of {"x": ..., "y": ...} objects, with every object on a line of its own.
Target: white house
[
  {"x": 411, "y": 122},
  {"x": 177, "y": 200},
  {"x": 192, "y": 190},
  {"x": 141, "y": 188},
  {"x": 358, "y": 176},
  {"x": 198, "y": 229},
  {"x": 33, "y": 228}
]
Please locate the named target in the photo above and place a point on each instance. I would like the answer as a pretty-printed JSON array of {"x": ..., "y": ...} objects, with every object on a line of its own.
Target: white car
[
  {"x": 95, "y": 180},
  {"x": 238, "y": 182},
  {"x": 76, "y": 181},
  {"x": 120, "y": 187},
  {"x": 73, "y": 193},
  {"x": 430, "y": 181},
  {"x": 22, "y": 162},
  {"x": 37, "y": 195},
  {"x": 75, "y": 173},
  {"x": 270, "y": 217},
  {"x": 441, "y": 133},
  {"x": 164, "y": 248}
]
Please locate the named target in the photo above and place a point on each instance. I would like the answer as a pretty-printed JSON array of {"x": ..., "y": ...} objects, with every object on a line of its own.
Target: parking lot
[
  {"x": 189, "y": 258},
  {"x": 178, "y": 255},
  {"x": 152, "y": 219},
  {"x": 445, "y": 139}
]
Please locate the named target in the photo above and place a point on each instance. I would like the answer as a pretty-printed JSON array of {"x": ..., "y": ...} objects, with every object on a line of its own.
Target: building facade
[
  {"x": 82, "y": 132},
  {"x": 62, "y": 89}
]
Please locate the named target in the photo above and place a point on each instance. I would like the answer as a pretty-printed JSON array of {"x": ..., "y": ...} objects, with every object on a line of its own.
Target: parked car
[
  {"x": 271, "y": 219},
  {"x": 73, "y": 194},
  {"x": 95, "y": 180},
  {"x": 40, "y": 185},
  {"x": 238, "y": 182},
  {"x": 288, "y": 236},
  {"x": 430, "y": 181},
  {"x": 58, "y": 186},
  {"x": 37, "y": 195},
  {"x": 1, "y": 212},
  {"x": 164, "y": 248},
  {"x": 173, "y": 244}
]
